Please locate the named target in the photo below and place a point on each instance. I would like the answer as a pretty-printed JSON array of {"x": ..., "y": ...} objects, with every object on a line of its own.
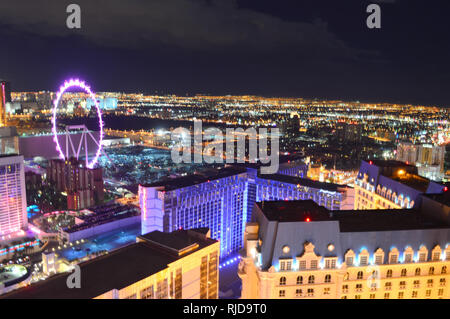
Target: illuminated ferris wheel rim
[{"x": 63, "y": 88}]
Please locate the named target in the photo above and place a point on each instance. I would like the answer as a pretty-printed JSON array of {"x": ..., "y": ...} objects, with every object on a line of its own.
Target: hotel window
[
  {"x": 314, "y": 264},
  {"x": 372, "y": 296},
  {"x": 447, "y": 254},
  {"x": 282, "y": 281},
  {"x": 430, "y": 283},
  {"x": 299, "y": 280},
  {"x": 402, "y": 284},
  {"x": 428, "y": 293},
  {"x": 403, "y": 273},
  {"x": 282, "y": 293},
  {"x": 328, "y": 278},
  {"x": 431, "y": 271},
  {"x": 303, "y": 264},
  {"x": 147, "y": 293},
  {"x": 349, "y": 261},
  {"x": 408, "y": 255},
  {"x": 311, "y": 279},
  {"x": 285, "y": 265},
  {"x": 357, "y": 296},
  {"x": 423, "y": 252},
  {"x": 442, "y": 282},
  {"x": 400, "y": 295},
  {"x": 440, "y": 292},
  {"x": 378, "y": 259},
  {"x": 379, "y": 256},
  {"x": 389, "y": 273},
  {"x": 310, "y": 292},
  {"x": 360, "y": 275},
  {"x": 298, "y": 292},
  {"x": 345, "y": 288},
  {"x": 444, "y": 270},
  {"x": 393, "y": 258},
  {"x": 363, "y": 258},
  {"x": 386, "y": 295},
  {"x": 414, "y": 294},
  {"x": 358, "y": 287},
  {"x": 330, "y": 263},
  {"x": 416, "y": 283},
  {"x": 326, "y": 291},
  {"x": 388, "y": 285},
  {"x": 417, "y": 271},
  {"x": 436, "y": 254}
]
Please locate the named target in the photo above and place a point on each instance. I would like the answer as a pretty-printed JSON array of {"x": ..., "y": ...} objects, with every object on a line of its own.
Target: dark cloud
[{"x": 188, "y": 24}]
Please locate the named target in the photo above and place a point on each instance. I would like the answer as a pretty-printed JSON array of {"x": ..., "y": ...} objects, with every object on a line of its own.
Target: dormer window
[
  {"x": 408, "y": 255},
  {"x": 423, "y": 254},
  {"x": 330, "y": 262},
  {"x": 364, "y": 258},
  {"x": 285, "y": 265},
  {"x": 436, "y": 253},
  {"x": 379, "y": 256},
  {"x": 349, "y": 258},
  {"x": 393, "y": 256}
]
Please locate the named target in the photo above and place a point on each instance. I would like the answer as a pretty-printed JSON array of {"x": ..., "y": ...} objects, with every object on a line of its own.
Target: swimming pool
[{"x": 107, "y": 241}]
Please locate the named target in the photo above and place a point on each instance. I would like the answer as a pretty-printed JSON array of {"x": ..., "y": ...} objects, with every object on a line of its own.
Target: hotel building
[
  {"x": 178, "y": 265},
  {"x": 429, "y": 159},
  {"x": 13, "y": 207},
  {"x": 83, "y": 186},
  {"x": 297, "y": 249},
  {"x": 222, "y": 200},
  {"x": 390, "y": 184}
]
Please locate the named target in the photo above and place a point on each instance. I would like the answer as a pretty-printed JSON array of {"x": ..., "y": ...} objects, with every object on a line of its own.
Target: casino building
[
  {"x": 391, "y": 185},
  {"x": 178, "y": 265},
  {"x": 13, "y": 207},
  {"x": 222, "y": 200},
  {"x": 298, "y": 249}
]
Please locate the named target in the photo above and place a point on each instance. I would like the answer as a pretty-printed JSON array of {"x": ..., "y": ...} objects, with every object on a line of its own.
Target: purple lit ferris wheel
[{"x": 85, "y": 133}]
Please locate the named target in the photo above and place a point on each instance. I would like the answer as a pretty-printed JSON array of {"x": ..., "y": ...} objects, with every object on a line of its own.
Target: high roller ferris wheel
[{"x": 70, "y": 149}]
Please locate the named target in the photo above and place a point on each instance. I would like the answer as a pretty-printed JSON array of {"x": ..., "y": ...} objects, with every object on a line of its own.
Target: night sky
[{"x": 312, "y": 48}]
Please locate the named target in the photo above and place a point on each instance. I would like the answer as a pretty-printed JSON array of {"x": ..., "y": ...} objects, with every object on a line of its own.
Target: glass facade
[
  {"x": 12, "y": 195},
  {"x": 223, "y": 205}
]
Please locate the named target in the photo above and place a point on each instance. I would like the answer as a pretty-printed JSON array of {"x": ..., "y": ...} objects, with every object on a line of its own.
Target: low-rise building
[{"x": 178, "y": 265}]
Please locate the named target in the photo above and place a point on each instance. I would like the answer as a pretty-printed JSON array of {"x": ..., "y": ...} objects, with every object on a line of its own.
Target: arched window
[
  {"x": 403, "y": 274},
  {"x": 389, "y": 273},
  {"x": 328, "y": 278},
  {"x": 360, "y": 275},
  {"x": 282, "y": 281},
  {"x": 444, "y": 270},
  {"x": 417, "y": 272},
  {"x": 311, "y": 279},
  {"x": 431, "y": 271},
  {"x": 299, "y": 280},
  {"x": 346, "y": 276}
]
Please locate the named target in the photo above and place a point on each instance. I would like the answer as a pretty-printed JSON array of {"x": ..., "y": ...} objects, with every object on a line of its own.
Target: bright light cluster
[
  {"x": 229, "y": 262},
  {"x": 82, "y": 85}
]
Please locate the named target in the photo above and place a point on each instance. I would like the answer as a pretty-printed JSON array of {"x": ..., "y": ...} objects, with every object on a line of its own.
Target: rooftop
[
  {"x": 117, "y": 269},
  {"x": 302, "y": 181},
  {"x": 349, "y": 220},
  {"x": 198, "y": 178}
]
